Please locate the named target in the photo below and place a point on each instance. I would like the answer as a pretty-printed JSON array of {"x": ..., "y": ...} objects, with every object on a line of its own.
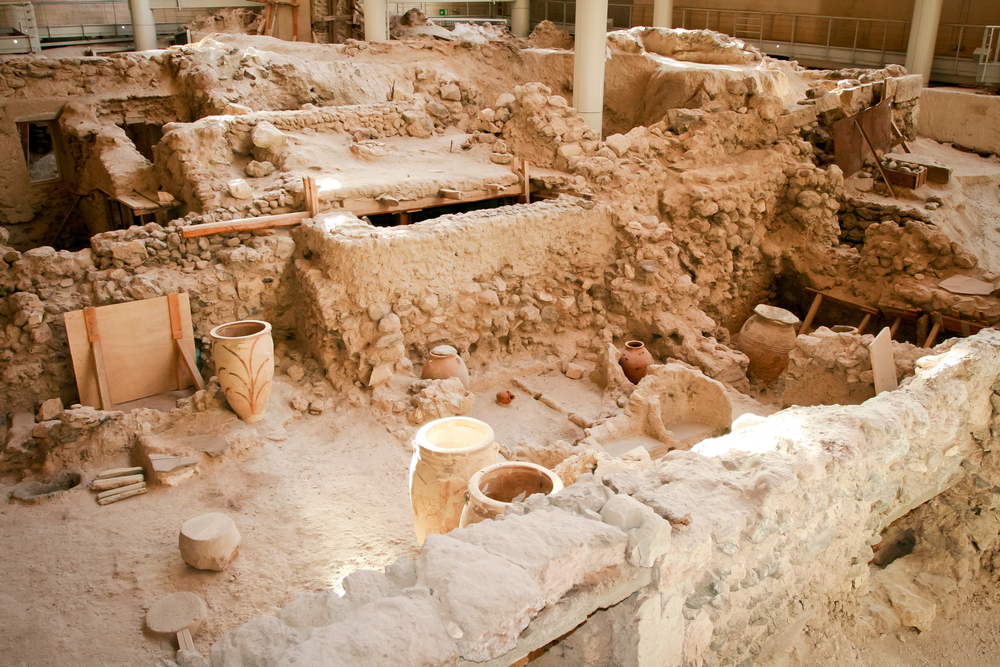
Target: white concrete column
[
  {"x": 588, "y": 61},
  {"x": 143, "y": 25},
  {"x": 520, "y": 18},
  {"x": 376, "y": 28},
  {"x": 663, "y": 13},
  {"x": 923, "y": 37}
]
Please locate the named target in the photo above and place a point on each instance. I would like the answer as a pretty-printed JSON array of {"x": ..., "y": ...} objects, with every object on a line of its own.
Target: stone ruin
[{"x": 713, "y": 188}]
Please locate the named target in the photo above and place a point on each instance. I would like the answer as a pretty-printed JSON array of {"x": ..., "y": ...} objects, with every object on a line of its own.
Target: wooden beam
[
  {"x": 245, "y": 224},
  {"x": 94, "y": 335},
  {"x": 806, "y": 323},
  {"x": 864, "y": 323}
]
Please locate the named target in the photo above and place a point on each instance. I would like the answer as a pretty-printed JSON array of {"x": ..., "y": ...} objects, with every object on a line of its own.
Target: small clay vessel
[
  {"x": 494, "y": 488},
  {"x": 445, "y": 363},
  {"x": 767, "y": 338},
  {"x": 505, "y": 397},
  {"x": 634, "y": 360}
]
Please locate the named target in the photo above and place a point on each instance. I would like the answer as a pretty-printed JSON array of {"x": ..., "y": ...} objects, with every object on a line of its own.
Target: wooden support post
[
  {"x": 864, "y": 323},
  {"x": 526, "y": 181},
  {"x": 311, "y": 195},
  {"x": 404, "y": 218},
  {"x": 804, "y": 329},
  {"x": 295, "y": 21},
  {"x": 94, "y": 335},
  {"x": 894, "y": 327},
  {"x": 183, "y": 354},
  {"x": 878, "y": 162},
  {"x": 938, "y": 321}
]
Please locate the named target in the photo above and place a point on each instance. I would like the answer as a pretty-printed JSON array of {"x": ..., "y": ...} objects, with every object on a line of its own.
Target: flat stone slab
[
  {"x": 209, "y": 542},
  {"x": 177, "y": 612}
]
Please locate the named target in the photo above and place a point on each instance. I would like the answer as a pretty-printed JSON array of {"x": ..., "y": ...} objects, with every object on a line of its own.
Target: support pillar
[
  {"x": 588, "y": 61},
  {"x": 376, "y": 29},
  {"x": 520, "y": 18},
  {"x": 143, "y": 25},
  {"x": 663, "y": 13},
  {"x": 923, "y": 37}
]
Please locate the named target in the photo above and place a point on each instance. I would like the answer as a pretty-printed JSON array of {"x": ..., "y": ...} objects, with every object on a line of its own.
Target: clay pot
[
  {"x": 244, "y": 362},
  {"x": 505, "y": 397},
  {"x": 634, "y": 360},
  {"x": 767, "y": 338},
  {"x": 445, "y": 363},
  {"x": 446, "y": 454},
  {"x": 843, "y": 328},
  {"x": 492, "y": 489}
]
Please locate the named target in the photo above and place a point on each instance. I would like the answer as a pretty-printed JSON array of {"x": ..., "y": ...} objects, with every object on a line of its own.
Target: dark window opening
[
  {"x": 143, "y": 135},
  {"x": 38, "y": 145},
  {"x": 410, "y": 217}
]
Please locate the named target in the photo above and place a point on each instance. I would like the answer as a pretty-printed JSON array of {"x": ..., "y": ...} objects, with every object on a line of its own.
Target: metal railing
[
  {"x": 563, "y": 14},
  {"x": 988, "y": 70},
  {"x": 61, "y": 22},
  {"x": 444, "y": 12},
  {"x": 18, "y": 28}
]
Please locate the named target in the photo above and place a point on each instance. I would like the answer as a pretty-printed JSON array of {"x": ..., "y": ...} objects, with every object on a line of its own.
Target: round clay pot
[
  {"x": 445, "y": 363},
  {"x": 244, "y": 362},
  {"x": 493, "y": 489},
  {"x": 842, "y": 328},
  {"x": 505, "y": 397},
  {"x": 446, "y": 454},
  {"x": 767, "y": 338},
  {"x": 634, "y": 360}
]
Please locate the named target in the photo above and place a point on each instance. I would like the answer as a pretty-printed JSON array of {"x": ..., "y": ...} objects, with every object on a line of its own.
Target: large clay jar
[
  {"x": 493, "y": 489},
  {"x": 766, "y": 339},
  {"x": 445, "y": 363},
  {"x": 634, "y": 360},
  {"x": 446, "y": 454},
  {"x": 244, "y": 362}
]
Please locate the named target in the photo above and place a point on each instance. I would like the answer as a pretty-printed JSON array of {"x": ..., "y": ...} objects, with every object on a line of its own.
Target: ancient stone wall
[{"x": 716, "y": 556}]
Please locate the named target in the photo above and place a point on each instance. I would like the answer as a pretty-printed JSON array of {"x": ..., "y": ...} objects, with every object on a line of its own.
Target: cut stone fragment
[
  {"x": 209, "y": 541},
  {"x": 180, "y": 611}
]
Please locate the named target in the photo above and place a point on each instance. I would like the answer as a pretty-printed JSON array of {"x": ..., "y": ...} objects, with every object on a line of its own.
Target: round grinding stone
[
  {"x": 180, "y": 611},
  {"x": 209, "y": 541}
]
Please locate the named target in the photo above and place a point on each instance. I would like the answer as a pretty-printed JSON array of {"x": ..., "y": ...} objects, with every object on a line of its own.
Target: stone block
[
  {"x": 619, "y": 143},
  {"x": 625, "y": 512},
  {"x": 266, "y": 135},
  {"x": 913, "y": 610},
  {"x": 239, "y": 189},
  {"x": 557, "y": 549},
  {"x": 209, "y": 542},
  {"x": 575, "y": 371},
  {"x": 491, "y": 598},
  {"x": 50, "y": 409},
  {"x": 908, "y": 87}
]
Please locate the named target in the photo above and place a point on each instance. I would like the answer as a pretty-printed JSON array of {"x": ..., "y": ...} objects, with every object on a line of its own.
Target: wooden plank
[
  {"x": 120, "y": 472},
  {"x": 124, "y": 489},
  {"x": 184, "y": 640},
  {"x": 864, "y": 323},
  {"x": 97, "y": 349},
  {"x": 245, "y": 224},
  {"x": 311, "y": 195},
  {"x": 115, "y": 482},
  {"x": 121, "y": 496},
  {"x": 883, "y": 365},
  {"x": 185, "y": 351},
  {"x": 140, "y": 355}
]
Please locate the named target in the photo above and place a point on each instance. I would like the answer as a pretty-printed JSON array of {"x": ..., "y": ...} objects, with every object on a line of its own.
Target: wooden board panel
[
  {"x": 140, "y": 358},
  {"x": 848, "y": 144},
  {"x": 883, "y": 364}
]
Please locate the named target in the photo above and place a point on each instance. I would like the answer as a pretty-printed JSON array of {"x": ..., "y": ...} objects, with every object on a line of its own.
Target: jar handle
[{"x": 467, "y": 498}]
